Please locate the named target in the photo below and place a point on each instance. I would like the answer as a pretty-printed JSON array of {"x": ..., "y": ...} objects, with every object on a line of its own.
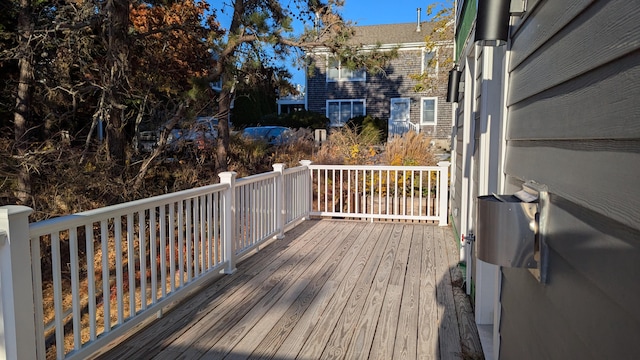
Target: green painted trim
[
  {"x": 463, "y": 28},
  {"x": 455, "y": 230}
]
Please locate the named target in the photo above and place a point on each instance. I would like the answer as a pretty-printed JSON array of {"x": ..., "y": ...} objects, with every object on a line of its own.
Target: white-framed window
[
  {"x": 428, "y": 110},
  {"x": 339, "y": 111},
  {"x": 336, "y": 72},
  {"x": 430, "y": 62}
]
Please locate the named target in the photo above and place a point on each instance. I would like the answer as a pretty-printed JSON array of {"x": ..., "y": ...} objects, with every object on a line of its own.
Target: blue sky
[
  {"x": 365, "y": 12},
  {"x": 378, "y": 12}
]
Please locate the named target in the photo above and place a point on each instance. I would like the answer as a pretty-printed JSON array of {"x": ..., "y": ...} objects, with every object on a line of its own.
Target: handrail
[
  {"x": 255, "y": 211},
  {"x": 376, "y": 167},
  {"x": 297, "y": 185},
  {"x": 78, "y": 219}
]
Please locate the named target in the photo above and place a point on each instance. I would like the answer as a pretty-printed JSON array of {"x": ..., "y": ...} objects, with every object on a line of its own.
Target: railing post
[
  {"x": 281, "y": 211},
  {"x": 444, "y": 193},
  {"x": 229, "y": 220},
  {"x": 17, "y": 323},
  {"x": 309, "y": 189}
]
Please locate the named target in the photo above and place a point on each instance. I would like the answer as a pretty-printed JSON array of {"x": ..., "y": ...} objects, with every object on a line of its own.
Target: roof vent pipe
[{"x": 418, "y": 28}]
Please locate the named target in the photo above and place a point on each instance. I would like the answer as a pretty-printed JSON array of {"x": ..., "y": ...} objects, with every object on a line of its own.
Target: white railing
[
  {"x": 113, "y": 269},
  {"x": 399, "y": 128},
  {"x": 297, "y": 201},
  {"x": 110, "y": 271},
  {"x": 381, "y": 192},
  {"x": 256, "y": 207}
]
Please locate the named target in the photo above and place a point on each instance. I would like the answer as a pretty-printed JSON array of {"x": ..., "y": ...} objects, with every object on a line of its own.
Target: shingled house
[{"x": 341, "y": 94}]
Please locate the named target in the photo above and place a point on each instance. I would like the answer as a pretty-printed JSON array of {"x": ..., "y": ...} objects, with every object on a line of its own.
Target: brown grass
[
  {"x": 411, "y": 149},
  {"x": 348, "y": 146},
  {"x": 140, "y": 276}
]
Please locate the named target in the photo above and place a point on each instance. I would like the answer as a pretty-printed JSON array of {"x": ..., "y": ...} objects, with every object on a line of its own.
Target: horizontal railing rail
[{"x": 99, "y": 275}]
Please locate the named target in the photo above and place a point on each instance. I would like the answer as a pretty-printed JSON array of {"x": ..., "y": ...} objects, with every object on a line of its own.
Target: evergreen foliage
[{"x": 371, "y": 127}]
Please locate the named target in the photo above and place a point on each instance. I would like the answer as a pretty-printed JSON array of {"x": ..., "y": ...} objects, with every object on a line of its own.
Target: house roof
[{"x": 391, "y": 33}]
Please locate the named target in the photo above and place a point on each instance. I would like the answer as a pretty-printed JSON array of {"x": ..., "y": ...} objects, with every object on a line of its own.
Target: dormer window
[{"x": 337, "y": 72}]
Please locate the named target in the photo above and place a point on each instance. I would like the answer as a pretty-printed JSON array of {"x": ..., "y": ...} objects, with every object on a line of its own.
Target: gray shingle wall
[{"x": 379, "y": 89}]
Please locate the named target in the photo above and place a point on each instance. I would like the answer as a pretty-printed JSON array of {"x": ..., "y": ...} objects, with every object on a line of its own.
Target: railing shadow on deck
[
  {"x": 158, "y": 251},
  {"x": 213, "y": 296}
]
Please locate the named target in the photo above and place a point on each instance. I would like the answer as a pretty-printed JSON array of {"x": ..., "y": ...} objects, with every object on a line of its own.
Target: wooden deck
[{"x": 329, "y": 290}]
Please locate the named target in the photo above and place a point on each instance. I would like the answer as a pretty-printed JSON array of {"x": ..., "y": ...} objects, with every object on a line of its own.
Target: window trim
[
  {"x": 340, "y": 101},
  {"x": 340, "y": 77},
  {"x": 435, "y": 110}
]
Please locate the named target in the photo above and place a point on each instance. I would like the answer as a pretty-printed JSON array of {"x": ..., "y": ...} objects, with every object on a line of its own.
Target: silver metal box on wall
[{"x": 506, "y": 231}]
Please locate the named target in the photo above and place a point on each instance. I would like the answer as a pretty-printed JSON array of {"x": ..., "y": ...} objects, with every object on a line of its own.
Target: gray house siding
[
  {"x": 379, "y": 89},
  {"x": 574, "y": 125}
]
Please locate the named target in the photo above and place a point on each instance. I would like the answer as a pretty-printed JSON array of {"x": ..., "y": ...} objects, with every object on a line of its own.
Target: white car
[
  {"x": 272, "y": 135},
  {"x": 201, "y": 135}
]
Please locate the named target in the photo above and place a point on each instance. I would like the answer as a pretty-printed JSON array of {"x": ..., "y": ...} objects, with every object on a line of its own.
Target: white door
[{"x": 399, "y": 116}]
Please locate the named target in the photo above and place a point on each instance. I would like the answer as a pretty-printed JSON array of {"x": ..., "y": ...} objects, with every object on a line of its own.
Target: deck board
[
  {"x": 202, "y": 339},
  {"x": 346, "y": 327},
  {"x": 428, "y": 316},
  {"x": 406, "y": 346},
  {"x": 331, "y": 289},
  {"x": 384, "y": 340},
  {"x": 449, "y": 334},
  {"x": 264, "y": 314},
  {"x": 317, "y": 340},
  {"x": 366, "y": 327}
]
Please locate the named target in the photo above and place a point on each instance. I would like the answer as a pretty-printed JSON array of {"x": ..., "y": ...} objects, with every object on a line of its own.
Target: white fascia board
[{"x": 402, "y": 46}]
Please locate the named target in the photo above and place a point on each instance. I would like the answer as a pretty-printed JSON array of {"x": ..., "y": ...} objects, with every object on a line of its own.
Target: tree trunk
[
  {"x": 224, "y": 110},
  {"x": 162, "y": 142},
  {"x": 23, "y": 101},
  {"x": 117, "y": 65}
]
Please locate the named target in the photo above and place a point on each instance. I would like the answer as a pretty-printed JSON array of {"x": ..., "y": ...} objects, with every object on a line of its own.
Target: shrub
[
  {"x": 301, "y": 148},
  {"x": 371, "y": 127},
  {"x": 248, "y": 157},
  {"x": 348, "y": 146},
  {"x": 410, "y": 149}
]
